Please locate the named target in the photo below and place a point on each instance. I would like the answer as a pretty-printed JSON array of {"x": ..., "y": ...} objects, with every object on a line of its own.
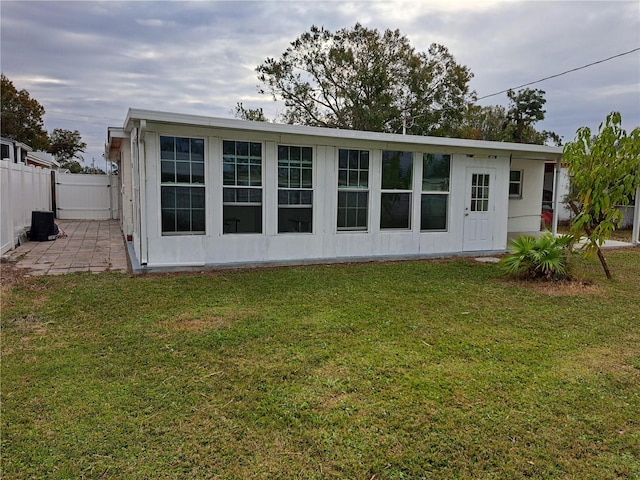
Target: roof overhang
[
  {"x": 454, "y": 145},
  {"x": 115, "y": 136}
]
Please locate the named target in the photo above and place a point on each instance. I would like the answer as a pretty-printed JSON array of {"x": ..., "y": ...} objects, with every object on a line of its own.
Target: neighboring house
[
  {"x": 13, "y": 151},
  {"x": 42, "y": 160},
  {"x": 202, "y": 191}
]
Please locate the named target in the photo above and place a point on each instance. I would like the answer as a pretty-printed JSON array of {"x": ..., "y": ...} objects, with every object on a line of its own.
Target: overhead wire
[{"x": 560, "y": 74}]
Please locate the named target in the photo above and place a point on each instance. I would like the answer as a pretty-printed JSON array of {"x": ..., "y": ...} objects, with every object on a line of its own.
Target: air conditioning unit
[{"x": 42, "y": 227}]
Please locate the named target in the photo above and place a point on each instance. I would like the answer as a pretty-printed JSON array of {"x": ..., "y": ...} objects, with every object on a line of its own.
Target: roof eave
[{"x": 541, "y": 152}]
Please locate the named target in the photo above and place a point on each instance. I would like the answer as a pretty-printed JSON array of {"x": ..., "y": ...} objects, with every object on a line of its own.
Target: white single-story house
[{"x": 203, "y": 191}]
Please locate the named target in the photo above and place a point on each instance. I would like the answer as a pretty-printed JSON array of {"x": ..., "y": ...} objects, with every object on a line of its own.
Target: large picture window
[
  {"x": 295, "y": 189},
  {"x": 395, "y": 204},
  {"x": 242, "y": 187},
  {"x": 434, "y": 203},
  {"x": 353, "y": 189},
  {"x": 182, "y": 203}
]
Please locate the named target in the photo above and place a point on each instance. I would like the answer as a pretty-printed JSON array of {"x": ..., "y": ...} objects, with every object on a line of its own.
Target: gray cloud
[{"x": 88, "y": 62}]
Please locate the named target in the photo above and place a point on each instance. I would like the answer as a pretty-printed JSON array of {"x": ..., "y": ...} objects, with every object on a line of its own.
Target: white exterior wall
[
  {"x": 325, "y": 243},
  {"x": 524, "y": 212},
  {"x": 125, "y": 180}
]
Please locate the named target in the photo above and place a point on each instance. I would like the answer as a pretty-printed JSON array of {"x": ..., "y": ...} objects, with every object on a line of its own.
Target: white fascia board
[{"x": 439, "y": 144}]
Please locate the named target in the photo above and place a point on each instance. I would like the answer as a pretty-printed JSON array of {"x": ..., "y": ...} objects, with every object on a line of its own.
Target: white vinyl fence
[
  {"x": 23, "y": 189},
  {"x": 86, "y": 197}
]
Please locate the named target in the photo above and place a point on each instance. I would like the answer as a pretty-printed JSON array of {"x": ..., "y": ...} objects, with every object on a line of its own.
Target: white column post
[{"x": 556, "y": 197}]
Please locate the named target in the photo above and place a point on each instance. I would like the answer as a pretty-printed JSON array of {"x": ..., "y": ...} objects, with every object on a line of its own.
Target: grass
[
  {"x": 435, "y": 369},
  {"x": 621, "y": 235}
]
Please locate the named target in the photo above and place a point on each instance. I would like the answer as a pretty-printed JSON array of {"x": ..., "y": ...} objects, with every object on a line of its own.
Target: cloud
[
  {"x": 154, "y": 22},
  {"x": 88, "y": 62}
]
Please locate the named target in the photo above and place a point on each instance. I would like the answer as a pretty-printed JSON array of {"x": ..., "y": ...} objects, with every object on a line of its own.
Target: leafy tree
[
  {"x": 515, "y": 124},
  {"x": 359, "y": 78},
  {"x": 253, "y": 114},
  {"x": 485, "y": 123},
  {"x": 525, "y": 109},
  {"x": 73, "y": 166},
  {"x": 66, "y": 146},
  {"x": 22, "y": 117},
  {"x": 92, "y": 171},
  {"x": 605, "y": 173}
]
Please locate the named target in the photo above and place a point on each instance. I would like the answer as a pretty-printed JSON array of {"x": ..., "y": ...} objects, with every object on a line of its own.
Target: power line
[{"x": 560, "y": 74}]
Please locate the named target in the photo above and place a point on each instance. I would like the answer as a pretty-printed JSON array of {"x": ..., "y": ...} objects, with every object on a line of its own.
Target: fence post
[{"x": 53, "y": 194}]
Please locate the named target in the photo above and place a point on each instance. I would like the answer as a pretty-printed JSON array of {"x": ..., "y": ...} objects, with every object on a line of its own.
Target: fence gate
[{"x": 86, "y": 197}]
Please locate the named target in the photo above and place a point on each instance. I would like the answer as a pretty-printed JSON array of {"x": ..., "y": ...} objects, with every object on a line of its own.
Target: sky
[{"x": 88, "y": 62}]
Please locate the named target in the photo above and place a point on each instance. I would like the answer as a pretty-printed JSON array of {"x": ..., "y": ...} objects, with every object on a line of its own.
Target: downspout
[
  {"x": 142, "y": 178},
  {"x": 556, "y": 197}
]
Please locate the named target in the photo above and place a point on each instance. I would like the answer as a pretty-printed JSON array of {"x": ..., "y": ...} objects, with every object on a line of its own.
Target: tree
[
  {"x": 22, "y": 117},
  {"x": 605, "y": 173},
  {"x": 525, "y": 109},
  {"x": 362, "y": 79},
  {"x": 66, "y": 147},
  {"x": 253, "y": 114},
  {"x": 92, "y": 171},
  {"x": 485, "y": 123},
  {"x": 73, "y": 166},
  {"x": 496, "y": 123}
]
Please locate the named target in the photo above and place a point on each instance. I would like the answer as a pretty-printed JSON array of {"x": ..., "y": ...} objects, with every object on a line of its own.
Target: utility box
[{"x": 42, "y": 227}]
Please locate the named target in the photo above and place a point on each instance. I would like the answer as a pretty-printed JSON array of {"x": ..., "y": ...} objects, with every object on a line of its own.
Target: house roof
[
  {"x": 456, "y": 145},
  {"x": 10, "y": 141},
  {"x": 43, "y": 158}
]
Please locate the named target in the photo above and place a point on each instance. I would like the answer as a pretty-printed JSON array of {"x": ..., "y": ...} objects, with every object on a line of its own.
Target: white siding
[
  {"x": 325, "y": 243},
  {"x": 524, "y": 213}
]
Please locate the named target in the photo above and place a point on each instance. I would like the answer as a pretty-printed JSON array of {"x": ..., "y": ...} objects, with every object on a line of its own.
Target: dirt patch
[
  {"x": 206, "y": 322},
  {"x": 620, "y": 362},
  {"x": 10, "y": 274},
  {"x": 196, "y": 325},
  {"x": 560, "y": 288}
]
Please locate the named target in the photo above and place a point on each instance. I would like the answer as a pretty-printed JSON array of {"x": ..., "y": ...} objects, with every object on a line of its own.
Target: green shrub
[{"x": 545, "y": 257}]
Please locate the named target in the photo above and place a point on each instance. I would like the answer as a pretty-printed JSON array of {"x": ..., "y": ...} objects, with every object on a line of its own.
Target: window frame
[
  {"x": 519, "y": 182},
  {"x": 176, "y": 185},
  {"x": 408, "y": 192},
  {"x": 353, "y": 190},
  {"x": 426, "y": 192},
  {"x": 250, "y": 188},
  {"x": 305, "y": 183}
]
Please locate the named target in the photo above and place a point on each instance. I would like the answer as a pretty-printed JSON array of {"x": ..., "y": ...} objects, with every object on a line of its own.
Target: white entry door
[{"x": 479, "y": 209}]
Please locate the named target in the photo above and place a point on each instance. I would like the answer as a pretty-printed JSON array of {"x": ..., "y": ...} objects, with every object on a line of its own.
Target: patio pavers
[{"x": 84, "y": 246}]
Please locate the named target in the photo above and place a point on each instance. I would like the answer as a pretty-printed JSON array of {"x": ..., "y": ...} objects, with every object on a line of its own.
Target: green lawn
[{"x": 436, "y": 370}]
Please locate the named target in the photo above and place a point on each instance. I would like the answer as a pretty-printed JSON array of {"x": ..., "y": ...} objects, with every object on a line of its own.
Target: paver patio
[{"x": 83, "y": 246}]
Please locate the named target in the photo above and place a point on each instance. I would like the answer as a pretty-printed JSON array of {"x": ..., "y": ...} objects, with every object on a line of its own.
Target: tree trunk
[{"x": 589, "y": 231}]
